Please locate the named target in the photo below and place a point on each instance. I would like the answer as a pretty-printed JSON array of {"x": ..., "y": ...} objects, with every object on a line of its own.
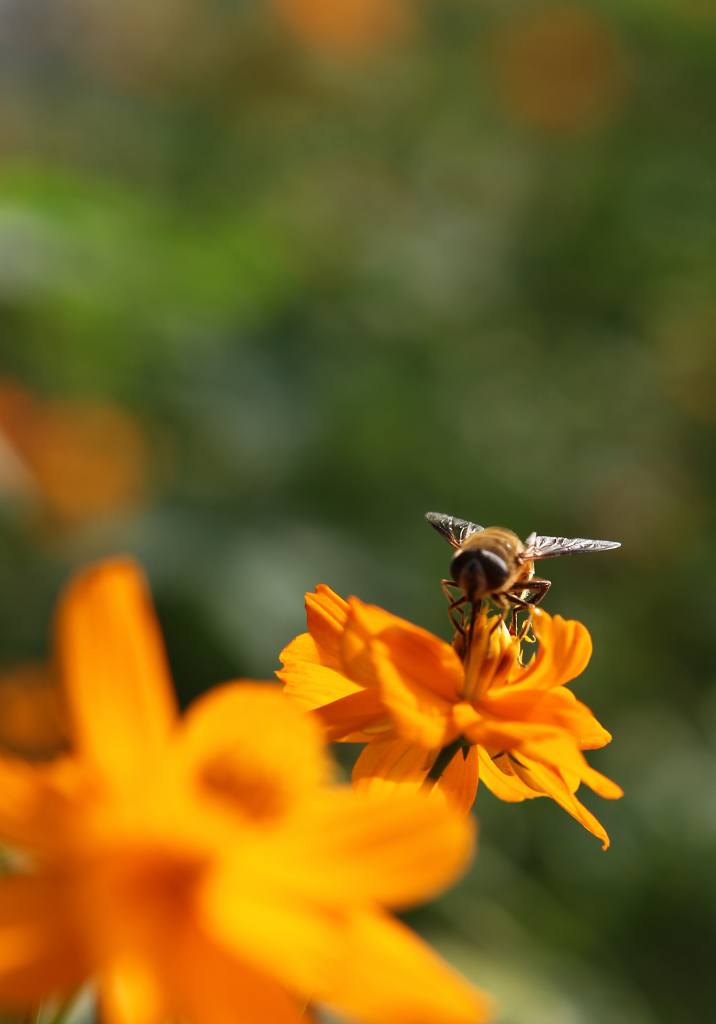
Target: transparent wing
[
  {"x": 552, "y": 547},
  {"x": 454, "y": 530}
]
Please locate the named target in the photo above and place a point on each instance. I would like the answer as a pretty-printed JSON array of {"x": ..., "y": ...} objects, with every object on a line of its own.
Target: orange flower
[
  {"x": 84, "y": 461},
  {"x": 204, "y": 869},
  {"x": 559, "y": 69},
  {"x": 353, "y": 27},
  {"x": 371, "y": 677}
]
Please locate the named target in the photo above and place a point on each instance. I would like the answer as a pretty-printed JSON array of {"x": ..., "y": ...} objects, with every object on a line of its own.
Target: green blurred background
[{"x": 276, "y": 278}]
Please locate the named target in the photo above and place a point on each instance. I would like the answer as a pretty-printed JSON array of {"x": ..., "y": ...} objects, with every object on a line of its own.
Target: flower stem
[
  {"x": 53, "y": 1013},
  {"x": 441, "y": 763}
]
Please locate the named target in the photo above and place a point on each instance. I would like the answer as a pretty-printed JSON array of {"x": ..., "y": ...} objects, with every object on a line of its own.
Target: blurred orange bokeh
[
  {"x": 351, "y": 26},
  {"x": 560, "y": 69},
  {"x": 82, "y": 461}
]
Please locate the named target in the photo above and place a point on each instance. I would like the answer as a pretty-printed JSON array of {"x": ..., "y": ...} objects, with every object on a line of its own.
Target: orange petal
[
  {"x": 558, "y": 707},
  {"x": 326, "y": 615},
  {"x": 413, "y": 670},
  {"x": 344, "y": 707},
  {"x": 499, "y": 778},
  {"x": 114, "y": 668},
  {"x": 548, "y": 781},
  {"x": 420, "y": 716},
  {"x": 571, "y": 764},
  {"x": 309, "y": 682},
  {"x": 602, "y": 785},
  {"x": 40, "y": 951},
  {"x": 352, "y": 718},
  {"x": 460, "y": 779},
  {"x": 323, "y": 952},
  {"x": 388, "y": 974},
  {"x": 280, "y": 899},
  {"x": 32, "y": 714},
  {"x": 39, "y": 803},
  {"x": 251, "y": 752},
  {"x": 210, "y": 987},
  {"x": 365, "y": 847},
  {"x": 423, "y": 660},
  {"x": 285, "y": 937},
  {"x": 131, "y": 992},
  {"x": 565, "y": 648},
  {"x": 318, "y": 954},
  {"x": 493, "y": 732},
  {"x": 390, "y": 765}
]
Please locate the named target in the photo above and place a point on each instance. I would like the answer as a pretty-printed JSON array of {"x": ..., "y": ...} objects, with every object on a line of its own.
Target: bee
[{"x": 492, "y": 562}]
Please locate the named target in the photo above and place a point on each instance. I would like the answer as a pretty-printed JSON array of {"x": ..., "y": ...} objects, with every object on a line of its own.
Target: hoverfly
[{"x": 492, "y": 562}]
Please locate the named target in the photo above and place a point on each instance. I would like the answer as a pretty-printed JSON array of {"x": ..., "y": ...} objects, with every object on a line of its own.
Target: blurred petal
[
  {"x": 363, "y": 964},
  {"x": 130, "y": 992},
  {"x": 282, "y": 901},
  {"x": 392, "y": 848},
  {"x": 33, "y": 719},
  {"x": 392, "y": 765},
  {"x": 250, "y": 751},
  {"x": 40, "y": 951},
  {"x": 389, "y": 976},
  {"x": 38, "y": 802},
  {"x": 215, "y": 988},
  {"x": 114, "y": 668},
  {"x": 288, "y": 938}
]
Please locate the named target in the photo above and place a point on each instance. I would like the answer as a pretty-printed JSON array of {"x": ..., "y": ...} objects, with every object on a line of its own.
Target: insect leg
[
  {"x": 538, "y": 589},
  {"x": 454, "y": 603},
  {"x": 516, "y": 605},
  {"x": 513, "y": 620},
  {"x": 447, "y": 586},
  {"x": 538, "y": 586}
]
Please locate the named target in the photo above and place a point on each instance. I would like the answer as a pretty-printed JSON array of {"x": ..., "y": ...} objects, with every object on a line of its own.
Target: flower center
[{"x": 491, "y": 654}]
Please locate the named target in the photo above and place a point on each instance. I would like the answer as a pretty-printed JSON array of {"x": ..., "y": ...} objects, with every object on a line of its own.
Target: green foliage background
[{"x": 339, "y": 289}]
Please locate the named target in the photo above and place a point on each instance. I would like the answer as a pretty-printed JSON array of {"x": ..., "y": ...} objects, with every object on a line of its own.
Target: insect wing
[
  {"x": 454, "y": 530},
  {"x": 552, "y": 547}
]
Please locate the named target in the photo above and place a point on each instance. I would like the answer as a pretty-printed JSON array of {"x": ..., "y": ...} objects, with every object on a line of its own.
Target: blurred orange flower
[
  {"x": 560, "y": 69},
  {"x": 374, "y": 678},
  {"x": 84, "y": 461},
  {"x": 349, "y": 26},
  {"x": 204, "y": 869}
]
